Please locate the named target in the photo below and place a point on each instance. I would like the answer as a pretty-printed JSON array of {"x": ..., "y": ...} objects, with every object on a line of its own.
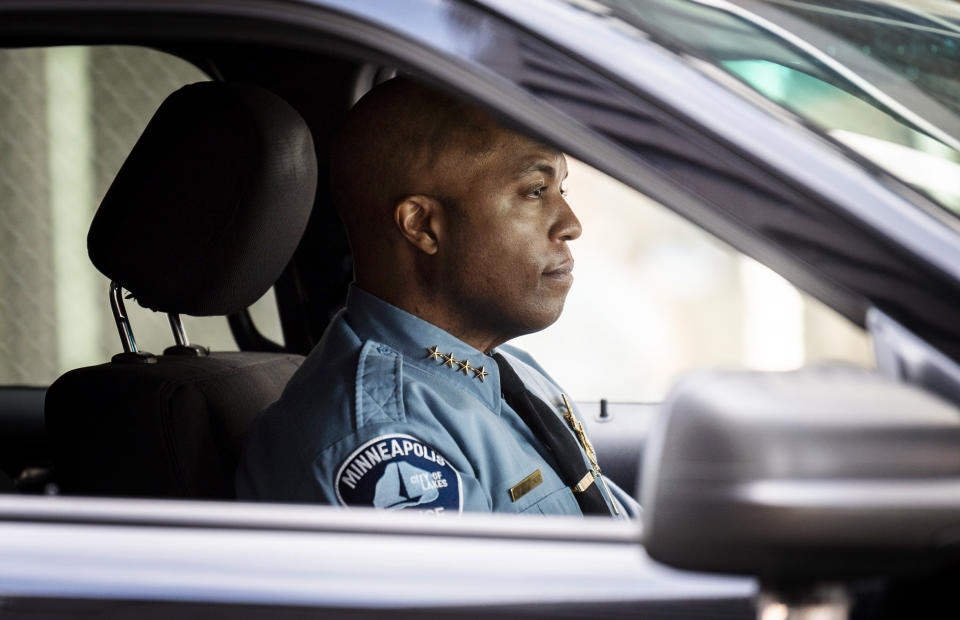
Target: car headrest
[{"x": 211, "y": 203}]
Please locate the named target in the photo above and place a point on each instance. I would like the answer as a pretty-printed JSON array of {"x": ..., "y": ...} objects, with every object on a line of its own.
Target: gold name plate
[{"x": 526, "y": 485}]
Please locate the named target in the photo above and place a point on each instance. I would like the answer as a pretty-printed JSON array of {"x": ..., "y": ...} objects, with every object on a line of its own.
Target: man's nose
[{"x": 567, "y": 227}]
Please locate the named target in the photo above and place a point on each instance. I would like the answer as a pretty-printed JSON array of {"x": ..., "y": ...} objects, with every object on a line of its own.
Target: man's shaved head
[{"x": 390, "y": 147}]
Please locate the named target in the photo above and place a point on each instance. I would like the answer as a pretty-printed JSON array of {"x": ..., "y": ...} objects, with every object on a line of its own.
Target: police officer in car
[{"x": 460, "y": 231}]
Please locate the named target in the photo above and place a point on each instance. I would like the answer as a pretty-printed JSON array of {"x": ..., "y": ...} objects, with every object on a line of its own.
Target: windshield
[{"x": 883, "y": 79}]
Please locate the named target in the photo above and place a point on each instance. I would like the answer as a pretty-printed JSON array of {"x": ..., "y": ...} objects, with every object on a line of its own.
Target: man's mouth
[{"x": 564, "y": 271}]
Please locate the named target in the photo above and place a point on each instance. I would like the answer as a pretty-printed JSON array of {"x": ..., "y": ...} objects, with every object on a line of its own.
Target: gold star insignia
[
  {"x": 434, "y": 354},
  {"x": 450, "y": 360},
  {"x": 465, "y": 366},
  {"x": 480, "y": 373}
]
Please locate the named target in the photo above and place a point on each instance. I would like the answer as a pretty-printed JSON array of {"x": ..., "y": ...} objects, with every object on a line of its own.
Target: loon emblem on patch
[{"x": 393, "y": 472}]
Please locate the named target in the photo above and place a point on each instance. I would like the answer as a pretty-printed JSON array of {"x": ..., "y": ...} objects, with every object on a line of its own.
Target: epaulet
[{"x": 379, "y": 385}]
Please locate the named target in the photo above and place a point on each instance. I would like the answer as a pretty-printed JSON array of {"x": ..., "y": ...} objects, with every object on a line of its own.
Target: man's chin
[{"x": 542, "y": 319}]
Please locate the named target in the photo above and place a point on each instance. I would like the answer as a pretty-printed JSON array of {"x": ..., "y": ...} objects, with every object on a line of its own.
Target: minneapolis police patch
[{"x": 393, "y": 472}]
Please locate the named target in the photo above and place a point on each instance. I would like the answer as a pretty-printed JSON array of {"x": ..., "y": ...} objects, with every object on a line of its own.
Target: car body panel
[{"x": 309, "y": 555}]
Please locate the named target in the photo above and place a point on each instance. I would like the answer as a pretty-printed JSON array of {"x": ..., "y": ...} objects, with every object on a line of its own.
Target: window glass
[
  {"x": 878, "y": 78},
  {"x": 654, "y": 295},
  {"x": 915, "y": 157},
  {"x": 68, "y": 118},
  {"x": 267, "y": 318}
]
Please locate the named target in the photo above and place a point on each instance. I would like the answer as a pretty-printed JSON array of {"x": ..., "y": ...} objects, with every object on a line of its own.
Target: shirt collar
[{"x": 424, "y": 345}]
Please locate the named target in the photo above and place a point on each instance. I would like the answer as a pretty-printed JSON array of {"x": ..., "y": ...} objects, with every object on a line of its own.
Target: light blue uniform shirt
[{"x": 373, "y": 418}]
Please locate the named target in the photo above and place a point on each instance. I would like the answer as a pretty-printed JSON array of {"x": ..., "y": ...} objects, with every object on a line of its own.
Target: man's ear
[{"x": 419, "y": 220}]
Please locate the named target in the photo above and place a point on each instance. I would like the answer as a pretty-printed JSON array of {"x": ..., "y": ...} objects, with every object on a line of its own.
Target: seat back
[
  {"x": 169, "y": 429},
  {"x": 201, "y": 219}
]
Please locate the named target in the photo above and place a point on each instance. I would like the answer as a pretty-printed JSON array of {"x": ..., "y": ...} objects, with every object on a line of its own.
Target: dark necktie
[{"x": 553, "y": 433}]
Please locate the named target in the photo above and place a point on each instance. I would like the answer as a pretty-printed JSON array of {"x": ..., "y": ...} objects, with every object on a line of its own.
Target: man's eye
[
  {"x": 537, "y": 193},
  {"x": 564, "y": 192}
]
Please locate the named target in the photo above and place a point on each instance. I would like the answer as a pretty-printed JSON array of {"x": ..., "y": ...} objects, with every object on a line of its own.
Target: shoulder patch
[{"x": 398, "y": 471}]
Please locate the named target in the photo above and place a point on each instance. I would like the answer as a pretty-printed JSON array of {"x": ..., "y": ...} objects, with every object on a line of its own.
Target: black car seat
[{"x": 201, "y": 220}]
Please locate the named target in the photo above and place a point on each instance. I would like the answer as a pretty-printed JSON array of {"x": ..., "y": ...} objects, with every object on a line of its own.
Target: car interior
[
  {"x": 198, "y": 239},
  {"x": 168, "y": 420},
  {"x": 211, "y": 234}
]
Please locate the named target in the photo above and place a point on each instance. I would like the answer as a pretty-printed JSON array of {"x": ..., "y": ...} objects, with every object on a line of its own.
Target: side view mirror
[{"x": 810, "y": 477}]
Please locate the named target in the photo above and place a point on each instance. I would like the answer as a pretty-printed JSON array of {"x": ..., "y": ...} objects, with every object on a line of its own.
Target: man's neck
[{"x": 439, "y": 313}]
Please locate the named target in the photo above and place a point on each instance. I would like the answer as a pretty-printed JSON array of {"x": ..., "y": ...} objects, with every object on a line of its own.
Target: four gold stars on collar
[{"x": 450, "y": 362}]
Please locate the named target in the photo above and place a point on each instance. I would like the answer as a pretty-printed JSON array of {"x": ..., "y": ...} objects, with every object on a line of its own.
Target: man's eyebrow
[{"x": 537, "y": 165}]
